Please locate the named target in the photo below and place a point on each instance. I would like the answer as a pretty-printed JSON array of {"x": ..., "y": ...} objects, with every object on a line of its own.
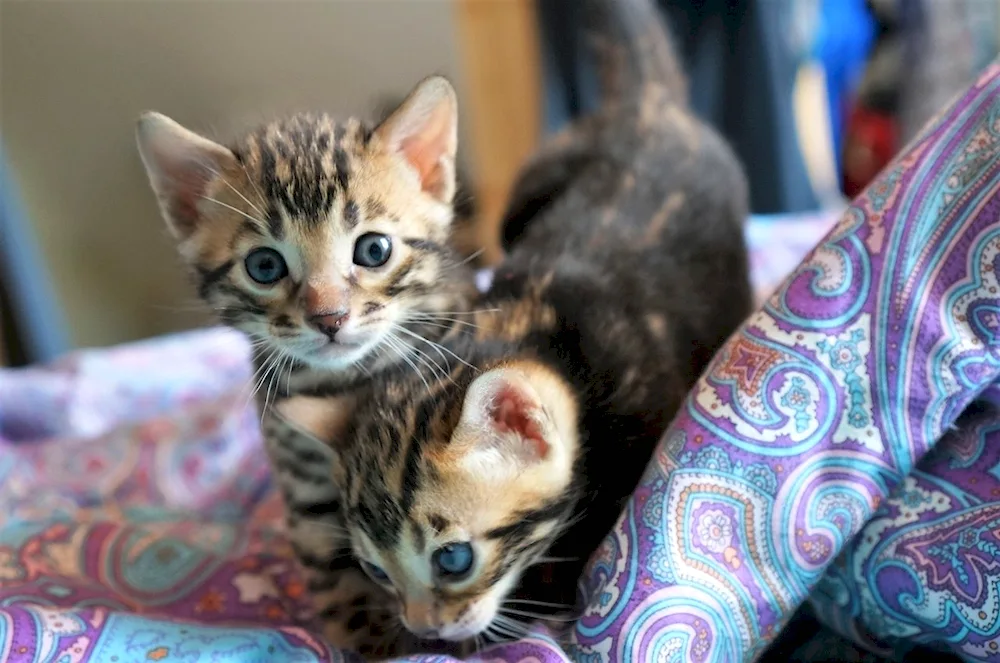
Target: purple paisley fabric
[
  {"x": 138, "y": 521},
  {"x": 816, "y": 409}
]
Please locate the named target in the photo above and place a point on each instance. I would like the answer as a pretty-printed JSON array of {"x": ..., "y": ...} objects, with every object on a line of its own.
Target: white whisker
[
  {"x": 275, "y": 375},
  {"x": 260, "y": 195},
  {"x": 439, "y": 319},
  {"x": 360, "y": 363},
  {"x": 438, "y": 325},
  {"x": 266, "y": 367},
  {"x": 417, "y": 351},
  {"x": 436, "y": 346},
  {"x": 394, "y": 342},
  {"x": 288, "y": 376},
  {"x": 285, "y": 362},
  {"x": 338, "y": 529},
  {"x": 469, "y": 312},
  {"x": 237, "y": 210},
  {"x": 467, "y": 260},
  {"x": 269, "y": 377},
  {"x": 258, "y": 377},
  {"x": 237, "y": 192},
  {"x": 508, "y": 627},
  {"x": 495, "y": 634},
  {"x": 432, "y": 366},
  {"x": 555, "y": 560},
  {"x": 544, "y": 604},
  {"x": 535, "y": 615},
  {"x": 563, "y": 527}
]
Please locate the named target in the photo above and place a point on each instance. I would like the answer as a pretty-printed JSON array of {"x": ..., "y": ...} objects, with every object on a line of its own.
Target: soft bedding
[{"x": 138, "y": 521}]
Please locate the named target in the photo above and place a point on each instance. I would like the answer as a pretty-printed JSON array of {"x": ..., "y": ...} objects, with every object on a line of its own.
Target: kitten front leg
[
  {"x": 352, "y": 612},
  {"x": 350, "y": 608},
  {"x": 355, "y": 614}
]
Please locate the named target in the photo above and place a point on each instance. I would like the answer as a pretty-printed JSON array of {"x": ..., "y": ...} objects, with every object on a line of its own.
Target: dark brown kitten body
[{"x": 627, "y": 270}]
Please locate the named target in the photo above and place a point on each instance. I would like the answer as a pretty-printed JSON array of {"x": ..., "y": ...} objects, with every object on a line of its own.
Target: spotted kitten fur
[
  {"x": 327, "y": 243},
  {"x": 477, "y": 497}
]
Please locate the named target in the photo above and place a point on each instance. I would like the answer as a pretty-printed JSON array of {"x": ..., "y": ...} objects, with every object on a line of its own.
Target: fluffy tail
[{"x": 635, "y": 55}]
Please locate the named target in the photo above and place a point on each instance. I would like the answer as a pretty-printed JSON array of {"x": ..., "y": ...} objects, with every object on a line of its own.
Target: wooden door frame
[{"x": 499, "y": 54}]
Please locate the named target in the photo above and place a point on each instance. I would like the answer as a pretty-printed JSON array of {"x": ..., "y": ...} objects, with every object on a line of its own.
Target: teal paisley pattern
[
  {"x": 926, "y": 567},
  {"x": 839, "y": 461}
]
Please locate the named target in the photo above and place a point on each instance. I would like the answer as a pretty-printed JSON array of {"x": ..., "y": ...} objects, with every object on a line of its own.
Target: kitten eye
[
  {"x": 372, "y": 250},
  {"x": 265, "y": 266},
  {"x": 453, "y": 560},
  {"x": 376, "y": 572}
]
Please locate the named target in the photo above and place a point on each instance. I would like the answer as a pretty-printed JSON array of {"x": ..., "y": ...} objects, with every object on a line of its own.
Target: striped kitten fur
[
  {"x": 476, "y": 497},
  {"x": 327, "y": 243}
]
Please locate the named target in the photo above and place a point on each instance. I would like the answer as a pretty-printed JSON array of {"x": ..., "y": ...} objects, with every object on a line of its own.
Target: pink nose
[{"x": 329, "y": 323}]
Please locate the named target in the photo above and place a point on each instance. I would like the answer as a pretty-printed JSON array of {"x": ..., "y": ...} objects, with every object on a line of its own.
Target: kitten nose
[
  {"x": 329, "y": 323},
  {"x": 418, "y": 618}
]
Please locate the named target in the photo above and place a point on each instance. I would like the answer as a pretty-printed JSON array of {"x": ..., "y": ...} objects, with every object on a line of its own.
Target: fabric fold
[{"x": 814, "y": 410}]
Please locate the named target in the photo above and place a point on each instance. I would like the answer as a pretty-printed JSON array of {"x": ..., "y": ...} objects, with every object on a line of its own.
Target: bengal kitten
[
  {"x": 328, "y": 244},
  {"x": 476, "y": 501}
]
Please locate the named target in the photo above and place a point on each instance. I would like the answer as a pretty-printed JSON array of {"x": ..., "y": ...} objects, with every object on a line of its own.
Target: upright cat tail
[{"x": 636, "y": 57}]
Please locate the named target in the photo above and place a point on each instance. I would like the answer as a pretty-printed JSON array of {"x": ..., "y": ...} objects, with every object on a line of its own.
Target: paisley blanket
[{"x": 138, "y": 521}]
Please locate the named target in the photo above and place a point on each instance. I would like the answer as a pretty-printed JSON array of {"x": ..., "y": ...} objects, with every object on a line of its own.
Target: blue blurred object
[
  {"x": 845, "y": 33},
  {"x": 37, "y": 320}
]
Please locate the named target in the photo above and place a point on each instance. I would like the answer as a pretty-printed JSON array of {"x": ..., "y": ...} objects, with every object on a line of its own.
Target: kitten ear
[
  {"x": 508, "y": 424},
  {"x": 324, "y": 418},
  {"x": 424, "y": 131},
  {"x": 181, "y": 166}
]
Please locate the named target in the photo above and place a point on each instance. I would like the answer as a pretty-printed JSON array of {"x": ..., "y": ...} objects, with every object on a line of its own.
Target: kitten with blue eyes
[
  {"x": 328, "y": 244},
  {"x": 323, "y": 241}
]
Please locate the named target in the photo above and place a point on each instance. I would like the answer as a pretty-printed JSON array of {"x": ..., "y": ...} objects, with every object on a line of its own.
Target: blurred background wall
[
  {"x": 816, "y": 96},
  {"x": 76, "y": 74}
]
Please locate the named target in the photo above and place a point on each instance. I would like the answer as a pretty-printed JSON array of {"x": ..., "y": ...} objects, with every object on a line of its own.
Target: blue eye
[
  {"x": 453, "y": 560},
  {"x": 265, "y": 266},
  {"x": 376, "y": 572},
  {"x": 372, "y": 250}
]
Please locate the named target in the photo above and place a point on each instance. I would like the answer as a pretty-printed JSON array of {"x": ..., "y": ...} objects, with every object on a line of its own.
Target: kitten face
[
  {"x": 318, "y": 239},
  {"x": 452, "y": 501}
]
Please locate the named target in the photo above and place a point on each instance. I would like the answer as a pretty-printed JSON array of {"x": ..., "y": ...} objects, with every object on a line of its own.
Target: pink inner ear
[
  {"x": 425, "y": 155},
  {"x": 188, "y": 182},
  {"x": 511, "y": 414}
]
